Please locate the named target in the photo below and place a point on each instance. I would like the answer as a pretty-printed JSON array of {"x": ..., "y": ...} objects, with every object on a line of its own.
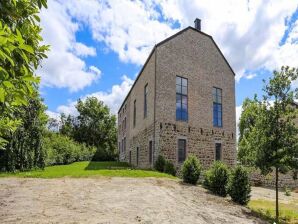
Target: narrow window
[
  {"x": 125, "y": 123},
  {"x": 122, "y": 145},
  {"x": 181, "y": 150},
  {"x": 137, "y": 156},
  {"x": 145, "y": 100},
  {"x": 217, "y": 107},
  {"x": 150, "y": 152},
  {"x": 130, "y": 157},
  {"x": 217, "y": 151},
  {"x": 134, "y": 112},
  {"x": 181, "y": 99},
  {"x": 124, "y": 142}
]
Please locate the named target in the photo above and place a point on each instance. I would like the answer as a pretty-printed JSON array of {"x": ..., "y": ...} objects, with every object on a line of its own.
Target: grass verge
[
  {"x": 266, "y": 210},
  {"x": 87, "y": 169}
]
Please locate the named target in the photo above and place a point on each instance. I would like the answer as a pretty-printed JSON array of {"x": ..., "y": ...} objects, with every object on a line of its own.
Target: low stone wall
[{"x": 285, "y": 180}]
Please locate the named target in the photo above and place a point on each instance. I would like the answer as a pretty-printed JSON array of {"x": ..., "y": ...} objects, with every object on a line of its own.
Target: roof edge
[
  {"x": 139, "y": 74},
  {"x": 166, "y": 40}
]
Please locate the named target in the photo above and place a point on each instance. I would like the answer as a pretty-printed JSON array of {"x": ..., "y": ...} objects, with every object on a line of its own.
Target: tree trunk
[{"x": 276, "y": 192}]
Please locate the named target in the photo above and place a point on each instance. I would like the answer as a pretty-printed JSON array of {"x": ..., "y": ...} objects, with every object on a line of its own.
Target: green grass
[
  {"x": 266, "y": 209},
  {"x": 87, "y": 169}
]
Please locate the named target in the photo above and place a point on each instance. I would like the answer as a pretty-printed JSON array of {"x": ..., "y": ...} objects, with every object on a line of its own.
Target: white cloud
[
  {"x": 84, "y": 51},
  {"x": 129, "y": 28},
  {"x": 53, "y": 115},
  {"x": 250, "y": 76},
  {"x": 64, "y": 68},
  {"x": 112, "y": 98},
  {"x": 248, "y": 32},
  {"x": 238, "y": 115}
]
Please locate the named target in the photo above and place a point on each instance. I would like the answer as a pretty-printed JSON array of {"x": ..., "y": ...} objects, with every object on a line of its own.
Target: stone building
[{"x": 182, "y": 102}]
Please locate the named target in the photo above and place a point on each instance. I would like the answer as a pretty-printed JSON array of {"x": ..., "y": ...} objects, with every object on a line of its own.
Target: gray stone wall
[
  {"x": 199, "y": 142},
  {"x": 285, "y": 180},
  {"x": 194, "y": 56}
]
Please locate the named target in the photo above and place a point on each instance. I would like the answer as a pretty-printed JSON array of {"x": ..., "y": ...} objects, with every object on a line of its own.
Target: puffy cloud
[
  {"x": 129, "y": 28},
  {"x": 112, "y": 98},
  {"x": 64, "y": 68},
  {"x": 248, "y": 32}
]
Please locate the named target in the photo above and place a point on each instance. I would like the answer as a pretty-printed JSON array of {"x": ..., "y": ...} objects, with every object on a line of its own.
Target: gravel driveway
[{"x": 113, "y": 200}]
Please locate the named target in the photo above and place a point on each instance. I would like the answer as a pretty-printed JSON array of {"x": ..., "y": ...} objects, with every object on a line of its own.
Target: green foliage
[
  {"x": 170, "y": 168},
  {"x": 216, "y": 178},
  {"x": 63, "y": 150},
  {"x": 20, "y": 55},
  {"x": 160, "y": 163},
  {"x": 24, "y": 148},
  {"x": 94, "y": 126},
  {"x": 239, "y": 186},
  {"x": 287, "y": 191},
  {"x": 271, "y": 138},
  {"x": 191, "y": 170},
  {"x": 88, "y": 169}
]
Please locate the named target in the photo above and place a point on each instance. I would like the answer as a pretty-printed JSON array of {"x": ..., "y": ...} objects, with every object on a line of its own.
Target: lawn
[
  {"x": 87, "y": 169},
  {"x": 266, "y": 209}
]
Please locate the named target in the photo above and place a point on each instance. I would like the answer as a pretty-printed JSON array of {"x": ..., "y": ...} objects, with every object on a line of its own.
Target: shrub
[
  {"x": 63, "y": 150},
  {"x": 239, "y": 186},
  {"x": 216, "y": 179},
  {"x": 160, "y": 163},
  {"x": 191, "y": 170},
  {"x": 170, "y": 168}
]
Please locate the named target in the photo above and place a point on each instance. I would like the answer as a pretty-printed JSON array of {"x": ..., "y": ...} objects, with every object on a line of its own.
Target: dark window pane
[
  {"x": 217, "y": 151},
  {"x": 150, "y": 152},
  {"x": 181, "y": 150}
]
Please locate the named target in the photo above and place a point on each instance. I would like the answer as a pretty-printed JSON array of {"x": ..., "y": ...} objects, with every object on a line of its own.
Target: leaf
[
  {"x": 8, "y": 84},
  {"x": 36, "y": 18},
  {"x": 29, "y": 78},
  {"x": 2, "y": 95},
  {"x": 27, "y": 48}
]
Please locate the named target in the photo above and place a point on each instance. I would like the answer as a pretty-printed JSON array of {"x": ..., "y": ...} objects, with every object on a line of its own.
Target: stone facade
[
  {"x": 193, "y": 55},
  {"x": 284, "y": 180}
]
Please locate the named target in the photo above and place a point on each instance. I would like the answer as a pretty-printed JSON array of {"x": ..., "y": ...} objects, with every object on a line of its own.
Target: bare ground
[{"x": 114, "y": 200}]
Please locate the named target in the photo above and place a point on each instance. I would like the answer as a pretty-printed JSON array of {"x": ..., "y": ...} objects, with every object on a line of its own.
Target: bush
[
  {"x": 63, "y": 150},
  {"x": 191, "y": 170},
  {"x": 216, "y": 178},
  {"x": 160, "y": 163},
  {"x": 239, "y": 186},
  {"x": 170, "y": 168}
]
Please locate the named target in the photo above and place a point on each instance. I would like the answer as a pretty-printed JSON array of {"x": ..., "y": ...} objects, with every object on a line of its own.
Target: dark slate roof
[{"x": 166, "y": 40}]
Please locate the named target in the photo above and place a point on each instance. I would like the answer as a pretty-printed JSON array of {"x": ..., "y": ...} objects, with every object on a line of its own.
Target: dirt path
[{"x": 113, "y": 200}]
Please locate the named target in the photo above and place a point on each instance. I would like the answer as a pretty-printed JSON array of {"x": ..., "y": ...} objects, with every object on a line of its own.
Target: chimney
[{"x": 198, "y": 24}]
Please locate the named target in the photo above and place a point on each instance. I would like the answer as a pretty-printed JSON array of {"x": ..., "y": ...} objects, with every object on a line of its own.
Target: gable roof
[{"x": 166, "y": 40}]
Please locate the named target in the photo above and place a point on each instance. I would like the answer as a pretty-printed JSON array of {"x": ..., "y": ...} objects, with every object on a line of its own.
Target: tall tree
[
  {"x": 20, "y": 55},
  {"x": 94, "y": 126},
  {"x": 268, "y": 131},
  {"x": 24, "y": 150}
]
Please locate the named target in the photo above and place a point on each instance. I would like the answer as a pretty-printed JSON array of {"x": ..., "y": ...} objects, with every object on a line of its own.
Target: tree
[
  {"x": 94, "y": 126},
  {"x": 20, "y": 55},
  {"x": 271, "y": 138},
  {"x": 24, "y": 150}
]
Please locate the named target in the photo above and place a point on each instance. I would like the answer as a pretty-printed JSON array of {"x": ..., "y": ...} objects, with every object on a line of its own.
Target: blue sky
[{"x": 98, "y": 47}]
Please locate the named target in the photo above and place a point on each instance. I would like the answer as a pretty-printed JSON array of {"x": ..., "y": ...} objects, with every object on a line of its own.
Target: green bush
[
  {"x": 216, "y": 178},
  {"x": 170, "y": 168},
  {"x": 191, "y": 170},
  {"x": 63, "y": 150},
  {"x": 239, "y": 186},
  {"x": 160, "y": 163}
]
